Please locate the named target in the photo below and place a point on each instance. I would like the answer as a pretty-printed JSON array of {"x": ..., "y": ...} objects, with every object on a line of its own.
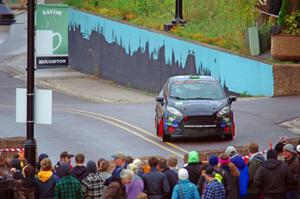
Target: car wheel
[
  {"x": 228, "y": 137},
  {"x": 166, "y": 138}
]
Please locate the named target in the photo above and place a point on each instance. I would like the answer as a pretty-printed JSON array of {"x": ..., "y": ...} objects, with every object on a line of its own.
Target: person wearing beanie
[
  {"x": 194, "y": 167},
  {"x": 292, "y": 162},
  {"x": 214, "y": 189},
  {"x": 273, "y": 177},
  {"x": 79, "y": 171},
  {"x": 16, "y": 169},
  {"x": 184, "y": 188},
  {"x": 68, "y": 186},
  {"x": 46, "y": 180},
  {"x": 93, "y": 183},
  {"x": 231, "y": 176},
  {"x": 231, "y": 151}
]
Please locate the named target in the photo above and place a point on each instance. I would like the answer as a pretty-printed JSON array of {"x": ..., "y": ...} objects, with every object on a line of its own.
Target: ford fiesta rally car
[{"x": 193, "y": 106}]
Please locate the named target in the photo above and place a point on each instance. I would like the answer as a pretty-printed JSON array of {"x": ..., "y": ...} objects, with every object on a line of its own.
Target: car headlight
[
  {"x": 174, "y": 112},
  {"x": 224, "y": 111}
]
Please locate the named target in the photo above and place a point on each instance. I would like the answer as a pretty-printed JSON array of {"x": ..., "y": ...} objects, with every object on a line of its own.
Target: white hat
[
  {"x": 137, "y": 162},
  {"x": 183, "y": 174},
  {"x": 298, "y": 148},
  {"x": 231, "y": 151}
]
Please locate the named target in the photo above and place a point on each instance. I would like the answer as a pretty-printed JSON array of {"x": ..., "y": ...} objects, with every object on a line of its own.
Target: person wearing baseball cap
[
  {"x": 292, "y": 162},
  {"x": 120, "y": 164}
]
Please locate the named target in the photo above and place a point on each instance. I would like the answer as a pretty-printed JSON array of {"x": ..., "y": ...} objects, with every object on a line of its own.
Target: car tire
[
  {"x": 166, "y": 138},
  {"x": 228, "y": 137}
]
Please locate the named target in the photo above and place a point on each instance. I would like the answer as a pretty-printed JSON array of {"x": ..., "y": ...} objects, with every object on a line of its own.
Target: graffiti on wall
[{"x": 144, "y": 59}]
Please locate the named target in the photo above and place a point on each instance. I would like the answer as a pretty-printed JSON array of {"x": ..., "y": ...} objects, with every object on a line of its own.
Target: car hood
[{"x": 198, "y": 107}]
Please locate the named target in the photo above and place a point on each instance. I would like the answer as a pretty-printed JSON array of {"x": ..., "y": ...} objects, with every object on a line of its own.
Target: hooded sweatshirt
[
  {"x": 244, "y": 176},
  {"x": 272, "y": 177},
  {"x": 79, "y": 172},
  {"x": 255, "y": 162},
  {"x": 194, "y": 167},
  {"x": 45, "y": 184}
]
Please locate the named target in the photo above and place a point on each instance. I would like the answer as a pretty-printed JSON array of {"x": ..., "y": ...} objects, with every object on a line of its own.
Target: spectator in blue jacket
[
  {"x": 184, "y": 188},
  {"x": 244, "y": 175}
]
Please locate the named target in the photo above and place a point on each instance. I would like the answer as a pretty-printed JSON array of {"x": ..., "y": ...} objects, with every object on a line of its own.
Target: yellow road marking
[
  {"x": 129, "y": 131},
  {"x": 130, "y": 125}
]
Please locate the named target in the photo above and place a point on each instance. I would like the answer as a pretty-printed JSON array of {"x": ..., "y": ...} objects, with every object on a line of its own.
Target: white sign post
[{"x": 42, "y": 106}]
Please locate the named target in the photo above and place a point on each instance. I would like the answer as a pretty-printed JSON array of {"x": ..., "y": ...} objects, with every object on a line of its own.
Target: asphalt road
[
  {"x": 80, "y": 126},
  {"x": 100, "y": 130}
]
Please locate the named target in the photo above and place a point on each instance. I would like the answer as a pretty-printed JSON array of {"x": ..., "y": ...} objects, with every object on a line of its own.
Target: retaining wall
[{"x": 144, "y": 59}]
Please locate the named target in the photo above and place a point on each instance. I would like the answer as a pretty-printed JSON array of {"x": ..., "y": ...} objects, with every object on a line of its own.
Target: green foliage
[
  {"x": 284, "y": 11},
  {"x": 218, "y": 22},
  {"x": 292, "y": 23}
]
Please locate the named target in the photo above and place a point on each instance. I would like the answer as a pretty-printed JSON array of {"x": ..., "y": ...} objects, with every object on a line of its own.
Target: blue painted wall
[{"x": 239, "y": 74}]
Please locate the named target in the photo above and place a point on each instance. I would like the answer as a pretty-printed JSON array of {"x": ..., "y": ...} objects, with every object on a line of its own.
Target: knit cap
[
  {"x": 224, "y": 159},
  {"x": 91, "y": 167},
  {"x": 66, "y": 169},
  {"x": 231, "y": 151},
  {"x": 213, "y": 160},
  {"x": 183, "y": 174},
  {"x": 289, "y": 147}
]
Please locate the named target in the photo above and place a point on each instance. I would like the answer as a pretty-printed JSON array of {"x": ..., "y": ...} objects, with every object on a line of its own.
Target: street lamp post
[
  {"x": 7, "y": 18},
  {"x": 30, "y": 144},
  {"x": 178, "y": 20},
  {"x": 178, "y": 13}
]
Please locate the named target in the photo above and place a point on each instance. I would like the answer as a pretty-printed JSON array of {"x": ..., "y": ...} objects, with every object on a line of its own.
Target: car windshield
[{"x": 196, "y": 90}]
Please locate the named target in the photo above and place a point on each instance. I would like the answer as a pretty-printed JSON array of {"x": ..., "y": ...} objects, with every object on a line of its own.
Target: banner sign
[{"x": 51, "y": 36}]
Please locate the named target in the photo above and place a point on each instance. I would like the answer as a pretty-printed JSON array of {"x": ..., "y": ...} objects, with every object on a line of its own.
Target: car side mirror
[
  {"x": 232, "y": 99},
  {"x": 159, "y": 99}
]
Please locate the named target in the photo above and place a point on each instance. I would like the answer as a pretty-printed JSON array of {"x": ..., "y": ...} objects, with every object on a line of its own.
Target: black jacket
[
  {"x": 194, "y": 170},
  {"x": 156, "y": 184},
  {"x": 254, "y": 163},
  {"x": 273, "y": 177},
  {"x": 172, "y": 178},
  {"x": 79, "y": 172}
]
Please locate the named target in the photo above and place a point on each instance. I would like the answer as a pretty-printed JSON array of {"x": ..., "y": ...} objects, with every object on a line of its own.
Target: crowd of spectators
[{"x": 273, "y": 174}]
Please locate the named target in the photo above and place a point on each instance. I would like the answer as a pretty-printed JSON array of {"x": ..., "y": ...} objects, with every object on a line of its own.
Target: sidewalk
[{"x": 79, "y": 85}]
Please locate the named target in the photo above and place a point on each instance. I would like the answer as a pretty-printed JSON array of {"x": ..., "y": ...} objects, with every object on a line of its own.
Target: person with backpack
[{"x": 185, "y": 189}]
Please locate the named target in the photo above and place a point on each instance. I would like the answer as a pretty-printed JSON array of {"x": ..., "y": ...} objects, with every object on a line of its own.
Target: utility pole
[{"x": 30, "y": 144}]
